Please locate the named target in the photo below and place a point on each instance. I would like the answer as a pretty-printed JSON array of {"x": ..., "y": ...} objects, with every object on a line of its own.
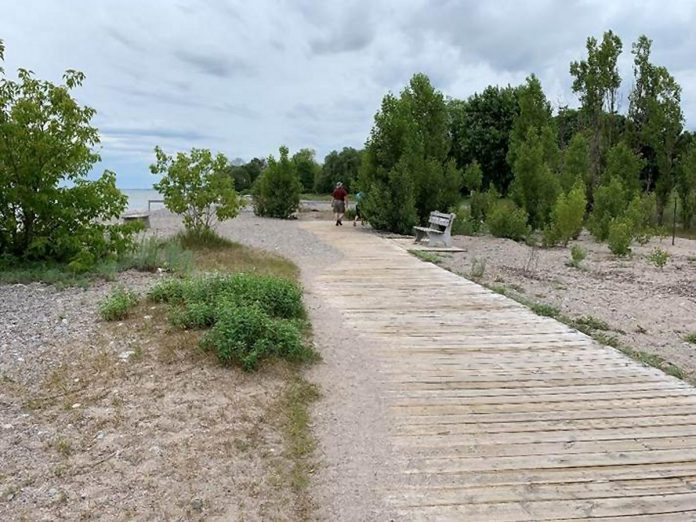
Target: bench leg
[
  {"x": 419, "y": 235},
  {"x": 439, "y": 240}
]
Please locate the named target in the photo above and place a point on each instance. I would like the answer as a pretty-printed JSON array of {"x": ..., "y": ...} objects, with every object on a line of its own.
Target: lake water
[{"x": 137, "y": 198}]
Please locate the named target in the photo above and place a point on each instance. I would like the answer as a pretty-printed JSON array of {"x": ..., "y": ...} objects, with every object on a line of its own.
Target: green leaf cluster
[
  {"x": 567, "y": 217},
  {"x": 49, "y": 210},
  {"x": 277, "y": 192},
  {"x": 249, "y": 317},
  {"x": 505, "y": 219},
  {"x": 196, "y": 186}
]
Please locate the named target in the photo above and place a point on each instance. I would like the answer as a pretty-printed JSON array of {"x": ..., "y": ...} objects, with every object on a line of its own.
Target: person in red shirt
[{"x": 340, "y": 200}]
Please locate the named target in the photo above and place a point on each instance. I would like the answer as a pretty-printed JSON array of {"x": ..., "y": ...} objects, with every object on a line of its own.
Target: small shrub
[
  {"x": 277, "y": 191},
  {"x": 609, "y": 204},
  {"x": 246, "y": 335},
  {"x": 640, "y": 213},
  {"x": 567, "y": 217},
  {"x": 118, "y": 304},
  {"x": 464, "y": 225},
  {"x": 278, "y": 297},
  {"x": 507, "y": 220},
  {"x": 690, "y": 338},
  {"x": 620, "y": 237},
  {"x": 478, "y": 268},
  {"x": 658, "y": 257},
  {"x": 577, "y": 256},
  {"x": 167, "y": 291},
  {"x": 480, "y": 203}
]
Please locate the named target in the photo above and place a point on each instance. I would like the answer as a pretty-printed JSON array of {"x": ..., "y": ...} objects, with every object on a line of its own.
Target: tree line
[
  {"x": 526, "y": 169},
  {"x": 522, "y": 168}
]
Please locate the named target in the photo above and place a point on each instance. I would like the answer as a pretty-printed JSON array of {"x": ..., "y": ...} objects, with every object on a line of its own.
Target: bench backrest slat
[{"x": 440, "y": 219}]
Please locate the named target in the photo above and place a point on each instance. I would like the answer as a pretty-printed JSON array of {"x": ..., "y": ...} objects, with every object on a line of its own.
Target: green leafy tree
[
  {"x": 657, "y": 120},
  {"x": 610, "y": 203},
  {"x": 473, "y": 176},
  {"x": 480, "y": 128},
  {"x": 244, "y": 176},
  {"x": 277, "y": 192},
  {"x": 341, "y": 166},
  {"x": 535, "y": 187},
  {"x": 196, "y": 186},
  {"x": 686, "y": 185},
  {"x": 567, "y": 217},
  {"x": 406, "y": 165},
  {"x": 534, "y": 113},
  {"x": 48, "y": 209},
  {"x": 576, "y": 163},
  {"x": 626, "y": 165},
  {"x": 597, "y": 81},
  {"x": 306, "y": 167}
]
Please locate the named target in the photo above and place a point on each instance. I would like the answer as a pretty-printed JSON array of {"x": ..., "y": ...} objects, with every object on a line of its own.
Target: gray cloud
[
  {"x": 124, "y": 132},
  {"x": 214, "y": 64}
]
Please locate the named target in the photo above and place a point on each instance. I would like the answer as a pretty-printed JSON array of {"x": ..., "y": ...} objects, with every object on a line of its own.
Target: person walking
[
  {"x": 358, "y": 210},
  {"x": 340, "y": 200}
]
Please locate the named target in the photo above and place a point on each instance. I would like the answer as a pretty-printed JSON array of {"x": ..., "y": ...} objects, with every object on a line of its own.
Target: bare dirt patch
[{"x": 646, "y": 308}]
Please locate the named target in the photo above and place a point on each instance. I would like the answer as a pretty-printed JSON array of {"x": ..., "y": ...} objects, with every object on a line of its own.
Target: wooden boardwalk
[{"x": 497, "y": 414}]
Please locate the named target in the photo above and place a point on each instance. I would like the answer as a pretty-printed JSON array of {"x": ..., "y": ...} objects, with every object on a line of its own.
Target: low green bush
[
  {"x": 620, "y": 237},
  {"x": 464, "y": 224},
  {"x": 246, "y": 335},
  {"x": 658, "y": 257},
  {"x": 118, "y": 304},
  {"x": 277, "y": 296},
  {"x": 251, "y": 317},
  {"x": 505, "y": 219},
  {"x": 577, "y": 256},
  {"x": 567, "y": 217}
]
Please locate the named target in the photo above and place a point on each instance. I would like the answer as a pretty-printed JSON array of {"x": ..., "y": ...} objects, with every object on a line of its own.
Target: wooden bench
[
  {"x": 438, "y": 230},
  {"x": 143, "y": 217}
]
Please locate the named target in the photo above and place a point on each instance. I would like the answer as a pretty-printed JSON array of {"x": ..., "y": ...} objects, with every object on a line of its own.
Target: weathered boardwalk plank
[{"x": 497, "y": 414}]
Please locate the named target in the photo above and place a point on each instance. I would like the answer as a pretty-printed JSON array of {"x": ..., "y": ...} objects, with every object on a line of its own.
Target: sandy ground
[
  {"x": 125, "y": 421},
  {"x": 648, "y": 308}
]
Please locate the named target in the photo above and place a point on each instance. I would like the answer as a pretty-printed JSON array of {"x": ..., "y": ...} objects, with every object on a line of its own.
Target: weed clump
[
  {"x": 250, "y": 317},
  {"x": 658, "y": 257},
  {"x": 577, "y": 256},
  {"x": 118, "y": 304}
]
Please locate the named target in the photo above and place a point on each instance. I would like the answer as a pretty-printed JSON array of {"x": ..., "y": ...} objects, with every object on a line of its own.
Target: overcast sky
[{"x": 243, "y": 77}]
